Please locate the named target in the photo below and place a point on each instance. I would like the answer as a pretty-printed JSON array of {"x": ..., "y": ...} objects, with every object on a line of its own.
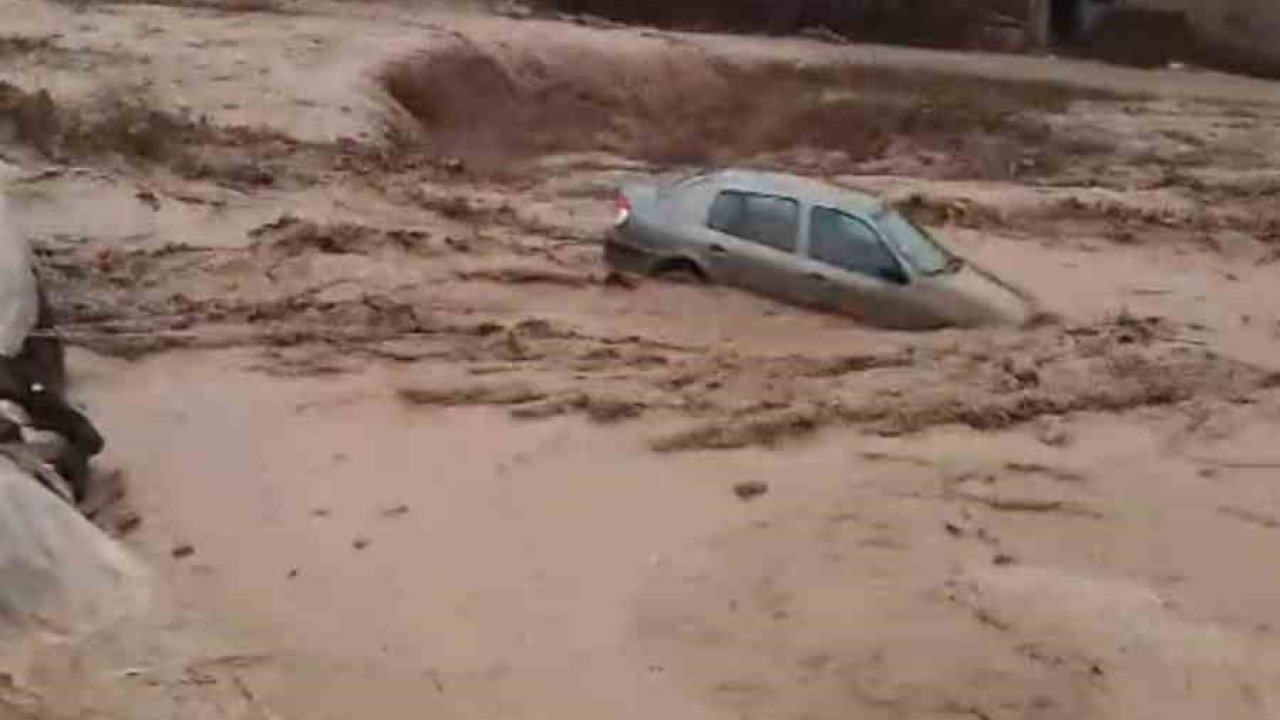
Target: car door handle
[{"x": 718, "y": 249}]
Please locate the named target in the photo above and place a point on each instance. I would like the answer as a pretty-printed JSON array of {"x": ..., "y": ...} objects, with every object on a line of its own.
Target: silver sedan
[{"x": 808, "y": 243}]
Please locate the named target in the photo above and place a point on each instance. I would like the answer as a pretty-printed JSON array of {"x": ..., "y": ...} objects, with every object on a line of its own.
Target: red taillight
[{"x": 623, "y": 206}]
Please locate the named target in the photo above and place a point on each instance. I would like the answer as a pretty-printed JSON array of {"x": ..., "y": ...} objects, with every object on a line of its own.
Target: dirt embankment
[{"x": 685, "y": 107}]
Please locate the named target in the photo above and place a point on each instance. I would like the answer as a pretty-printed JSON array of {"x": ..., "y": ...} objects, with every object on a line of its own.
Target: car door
[
  {"x": 848, "y": 268},
  {"x": 751, "y": 241}
]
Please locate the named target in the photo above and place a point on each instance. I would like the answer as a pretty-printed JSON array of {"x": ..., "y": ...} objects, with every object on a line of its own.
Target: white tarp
[
  {"x": 59, "y": 574},
  {"x": 19, "y": 303}
]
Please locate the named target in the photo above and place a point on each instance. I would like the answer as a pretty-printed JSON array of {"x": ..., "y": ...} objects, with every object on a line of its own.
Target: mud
[{"x": 346, "y": 258}]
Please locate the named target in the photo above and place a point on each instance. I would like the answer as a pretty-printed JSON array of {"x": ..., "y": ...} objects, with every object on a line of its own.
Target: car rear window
[{"x": 764, "y": 219}]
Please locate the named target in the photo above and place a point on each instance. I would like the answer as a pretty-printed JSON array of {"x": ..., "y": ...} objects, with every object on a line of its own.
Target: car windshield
[{"x": 916, "y": 246}]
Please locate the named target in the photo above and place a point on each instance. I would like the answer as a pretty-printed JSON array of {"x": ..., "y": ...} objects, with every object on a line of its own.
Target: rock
[
  {"x": 750, "y": 490},
  {"x": 58, "y": 572}
]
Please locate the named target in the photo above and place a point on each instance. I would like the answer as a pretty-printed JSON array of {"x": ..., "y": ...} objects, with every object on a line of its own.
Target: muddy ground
[{"x": 400, "y": 449}]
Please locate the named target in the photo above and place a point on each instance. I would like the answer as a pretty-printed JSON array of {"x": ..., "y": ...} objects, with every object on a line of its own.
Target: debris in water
[
  {"x": 184, "y": 550},
  {"x": 1023, "y": 371},
  {"x": 619, "y": 280},
  {"x": 127, "y": 523},
  {"x": 1054, "y": 433},
  {"x": 148, "y": 198},
  {"x": 750, "y": 490}
]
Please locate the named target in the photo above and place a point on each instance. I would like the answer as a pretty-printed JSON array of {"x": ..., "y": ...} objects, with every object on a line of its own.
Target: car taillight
[{"x": 623, "y": 206}]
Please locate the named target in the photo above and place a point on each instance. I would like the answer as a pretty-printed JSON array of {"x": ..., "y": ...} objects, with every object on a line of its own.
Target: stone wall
[
  {"x": 1249, "y": 27},
  {"x": 1237, "y": 33},
  {"x": 932, "y": 23}
]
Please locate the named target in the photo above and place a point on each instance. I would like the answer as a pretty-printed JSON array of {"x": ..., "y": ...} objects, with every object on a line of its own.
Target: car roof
[{"x": 802, "y": 188}]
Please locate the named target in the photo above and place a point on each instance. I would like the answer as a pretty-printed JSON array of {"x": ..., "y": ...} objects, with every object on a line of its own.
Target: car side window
[
  {"x": 764, "y": 219},
  {"x": 850, "y": 244}
]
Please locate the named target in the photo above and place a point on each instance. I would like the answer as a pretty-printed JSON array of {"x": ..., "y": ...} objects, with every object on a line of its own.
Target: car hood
[{"x": 975, "y": 296}]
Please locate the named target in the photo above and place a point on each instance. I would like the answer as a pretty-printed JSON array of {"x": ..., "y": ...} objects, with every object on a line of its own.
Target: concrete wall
[
  {"x": 1040, "y": 25},
  {"x": 1038, "y": 34},
  {"x": 1170, "y": 5},
  {"x": 1040, "y": 30},
  {"x": 1249, "y": 27}
]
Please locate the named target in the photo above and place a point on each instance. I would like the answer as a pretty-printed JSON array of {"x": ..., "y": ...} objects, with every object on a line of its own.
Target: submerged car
[{"x": 808, "y": 243}]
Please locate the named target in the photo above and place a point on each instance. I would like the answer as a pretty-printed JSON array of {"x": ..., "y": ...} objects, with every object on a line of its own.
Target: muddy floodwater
[{"x": 400, "y": 448}]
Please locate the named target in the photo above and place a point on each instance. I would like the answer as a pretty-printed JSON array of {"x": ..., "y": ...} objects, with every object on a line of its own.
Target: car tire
[{"x": 681, "y": 271}]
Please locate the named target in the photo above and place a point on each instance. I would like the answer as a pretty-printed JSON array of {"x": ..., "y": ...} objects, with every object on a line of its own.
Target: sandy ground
[{"x": 431, "y": 464}]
